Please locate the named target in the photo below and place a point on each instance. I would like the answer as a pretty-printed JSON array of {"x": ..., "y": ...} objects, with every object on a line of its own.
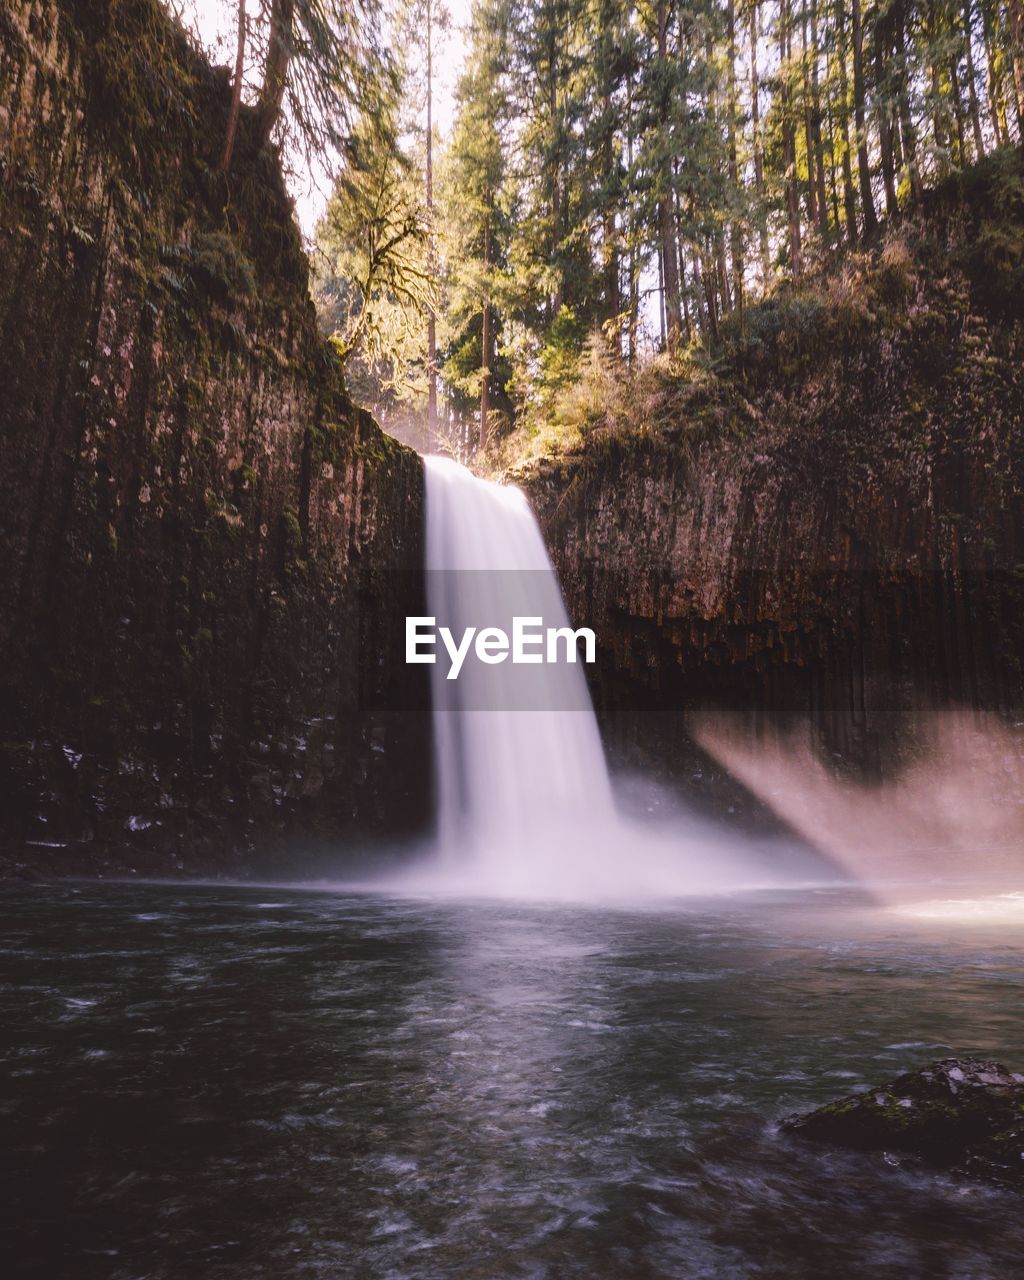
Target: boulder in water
[
  {"x": 963, "y": 1113},
  {"x": 999, "y": 1158}
]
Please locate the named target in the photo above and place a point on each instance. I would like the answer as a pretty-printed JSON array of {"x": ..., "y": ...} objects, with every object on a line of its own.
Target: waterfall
[
  {"x": 525, "y": 803},
  {"x": 518, "y": 751}
]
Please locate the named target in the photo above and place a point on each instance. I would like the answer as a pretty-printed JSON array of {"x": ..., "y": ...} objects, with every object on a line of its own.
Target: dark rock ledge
[{"x": 963, "y": 1114}]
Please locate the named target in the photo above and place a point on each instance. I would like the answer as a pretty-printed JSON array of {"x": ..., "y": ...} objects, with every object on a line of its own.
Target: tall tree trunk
[
  {"x": 1015, "y": 16},
  {"x": 833, "y": 176},
  {"x": 723, "y": 272},
  {"x": 231, "y": 133},
  {"x": 943, "y": 145},
  {"x": 867, "y": 200},
  {"x": 993, "y": 80},
  {"x": 896, "y": 139},
  {"x": 486, "y": 341},
  {"x": 670, "y": 266},
  {"x": 680, "y": 246},
  {"x": 972, "y": 83},
  {"x": 634, "y": 305},
  {"x": 883, "y": 111},
  {"x": 700, "y": 292},
  {"x": 805, "y": 85},
  {"x": 610, "y": 249},
  {"x": 755, "y": 124},
  {"x": 431, "y": 318},
  {"x": 673, "y": 309},
  {"x": 613, "y": 304},
  {"x": 734, "y": 177},
  {"x": 819, "y": 150},
  {"x": 789, "y": 138},
  {"x": 908, "y": 132},
  {"x": 959, "y": 112},
  {"x": 556, "y": 170},
  {"x": 710, "y": 296},
  {"x": 275, "y": 74},
  {"x": 849, "y": 198},
  {"x": 611, "y": 194},
  {"x": 634, "y": 274}
]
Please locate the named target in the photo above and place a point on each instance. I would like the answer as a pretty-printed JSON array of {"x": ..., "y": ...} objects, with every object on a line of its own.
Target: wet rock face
[
  {"x": 206, "y": 551},
  {"x": 846, "y": 553},
  {"x": 963, "y": 1113}
]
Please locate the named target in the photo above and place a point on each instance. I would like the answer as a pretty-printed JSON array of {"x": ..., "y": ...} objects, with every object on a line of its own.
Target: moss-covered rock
[
  {"x": 958, "y": 1112},
  {"x": 999, "y": 1158}
]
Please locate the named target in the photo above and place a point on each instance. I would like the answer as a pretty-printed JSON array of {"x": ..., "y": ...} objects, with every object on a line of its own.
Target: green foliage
[
  {"x": 678, "y": 398},
  {"x": 371, "y": 273},
  {"x": 320, "y": 63},
  {"x": 996, "y": 253},
  {"x": 559, "y": 357},
  {"x": 673, "y": 177},
  {"x": 212, "y": 266},
  {"x": 971, "y": 225},
  {"x": 919, "y": 287},
  {"x": 218, "y": 260}
]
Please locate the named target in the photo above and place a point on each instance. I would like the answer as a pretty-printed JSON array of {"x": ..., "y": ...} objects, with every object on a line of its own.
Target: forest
[{"x": 624, "y": 182}]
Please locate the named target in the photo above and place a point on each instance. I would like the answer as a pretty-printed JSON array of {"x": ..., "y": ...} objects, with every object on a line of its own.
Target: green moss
[{"x": 218, "y": 259}]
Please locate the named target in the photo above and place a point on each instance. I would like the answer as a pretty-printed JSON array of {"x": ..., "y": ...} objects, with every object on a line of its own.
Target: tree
[
  {"x": 664, "y": 181},
  {"x": 420, "y": 27},
  {"x": 786, "y": 112},
  {"x": 614, "y": 162},
  {"x": 867, "y": 200},
  {"x": 603, "y": 79},
  {"x": 372, "y": 262},
  {"x": 474, "y": 223},
  {"x": 275, "y": 70},
  {"x": 437, "y": 17},
  {"x": 754, "y": 7},
  {"x": 236, "y": 94},
  {"x": 324, "y": 61}
]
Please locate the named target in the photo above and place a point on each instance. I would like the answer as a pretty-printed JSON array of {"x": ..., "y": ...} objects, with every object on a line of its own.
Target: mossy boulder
[
  {"x": 1000, "y": 1158},
  {"x": 964, "y": 1113}
]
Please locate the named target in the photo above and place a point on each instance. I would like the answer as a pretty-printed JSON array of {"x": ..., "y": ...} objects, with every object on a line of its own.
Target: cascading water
[
  {"x": 525, "y": 804},
  {"x": 504, "y": 770}
]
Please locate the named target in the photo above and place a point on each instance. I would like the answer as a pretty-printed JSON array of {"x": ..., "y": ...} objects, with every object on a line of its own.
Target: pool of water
[{"x": 246, "y": 1082}]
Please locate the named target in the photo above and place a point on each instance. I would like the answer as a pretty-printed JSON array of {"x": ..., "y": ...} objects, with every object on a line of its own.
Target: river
[{"x": 243, "y": 1082}]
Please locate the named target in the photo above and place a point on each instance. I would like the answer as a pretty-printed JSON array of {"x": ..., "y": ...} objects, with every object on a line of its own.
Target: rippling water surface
[{"x": 240, "y": 1082}]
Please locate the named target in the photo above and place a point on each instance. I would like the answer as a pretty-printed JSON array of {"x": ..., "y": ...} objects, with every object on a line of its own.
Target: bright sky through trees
[{"x": 214, "y": 23}]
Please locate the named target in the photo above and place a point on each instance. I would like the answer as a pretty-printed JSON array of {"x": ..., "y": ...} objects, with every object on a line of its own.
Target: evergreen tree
[
  {"x": 372, "y": 275},
  {"x": 475, "y": 222},
  {"x": 622, "y": 171}
]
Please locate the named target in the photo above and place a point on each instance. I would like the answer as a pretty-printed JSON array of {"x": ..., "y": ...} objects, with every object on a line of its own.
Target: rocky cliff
[
  {"x": 204, "y": 548},
  {"x": 835, "y": 536}
]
